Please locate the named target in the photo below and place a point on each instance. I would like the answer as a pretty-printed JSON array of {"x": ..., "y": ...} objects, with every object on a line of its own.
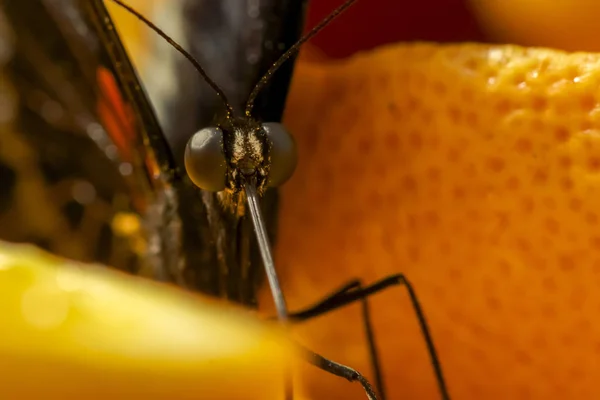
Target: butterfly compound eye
[
  {"x": 205, "y": 161},
  {"x": 284, "y": 155}
]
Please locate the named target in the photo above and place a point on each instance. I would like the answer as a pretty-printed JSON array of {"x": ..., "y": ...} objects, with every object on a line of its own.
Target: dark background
[{"x": 369, "y": 23}]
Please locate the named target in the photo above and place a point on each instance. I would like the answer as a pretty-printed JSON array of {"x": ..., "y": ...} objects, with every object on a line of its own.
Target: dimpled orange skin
[{"x": 475, "y": 171}]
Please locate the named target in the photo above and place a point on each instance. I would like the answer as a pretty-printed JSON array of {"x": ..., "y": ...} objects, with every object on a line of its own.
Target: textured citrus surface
[
  {"x": 564, "y": 24},
  {"x": 474, "y": 170},
  {"x": 71, "y": 331}
]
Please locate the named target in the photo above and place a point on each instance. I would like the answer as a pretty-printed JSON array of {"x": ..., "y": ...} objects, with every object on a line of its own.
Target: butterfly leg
[
  {"x": 331, "y": 300},
  {"x": 339, "y": 370},
  {"x": 333, "y": 367},
  {"x": 353, "y": 291}
]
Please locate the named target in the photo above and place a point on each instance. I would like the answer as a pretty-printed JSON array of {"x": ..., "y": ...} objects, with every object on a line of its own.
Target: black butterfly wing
[
  {"x": 245, "y": 38},
  {"x": 88, "y": 172}
]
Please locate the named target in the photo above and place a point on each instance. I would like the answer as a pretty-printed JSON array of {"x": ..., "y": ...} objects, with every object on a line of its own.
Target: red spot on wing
[
  {"x": 115, "y": 114},
  {"x": 119, "y": 122}
]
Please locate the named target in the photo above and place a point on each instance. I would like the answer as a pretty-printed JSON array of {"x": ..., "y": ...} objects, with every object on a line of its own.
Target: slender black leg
[
  {"x": 373, "y": 351},
  {"x": 339, "y": 370},
  {"x": 353, "y": 291},
  {"x": 331, "y": 300},
  {"x": 324, "y": 306}
]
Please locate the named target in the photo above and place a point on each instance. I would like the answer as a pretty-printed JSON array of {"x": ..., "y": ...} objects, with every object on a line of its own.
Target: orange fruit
[
  {"x": 474, "y": 170},
  {"x": 564, "y": 24},
  {"x": 73, "y": 331}
]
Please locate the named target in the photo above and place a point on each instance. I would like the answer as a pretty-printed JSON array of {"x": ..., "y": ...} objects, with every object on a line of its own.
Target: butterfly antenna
[
  {"x": 180, "y": 49},
  {"x": 290, "y": 52}
]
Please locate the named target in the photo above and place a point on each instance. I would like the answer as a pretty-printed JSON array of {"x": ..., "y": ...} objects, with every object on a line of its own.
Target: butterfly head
[{"x": 240, "y": 150}]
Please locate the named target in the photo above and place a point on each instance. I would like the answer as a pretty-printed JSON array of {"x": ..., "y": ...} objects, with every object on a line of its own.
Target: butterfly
[{"x": 89, "y": 173}]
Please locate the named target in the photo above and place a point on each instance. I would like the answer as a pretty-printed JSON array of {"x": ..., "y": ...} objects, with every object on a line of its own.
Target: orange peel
[{"x": 473, "y": 169}]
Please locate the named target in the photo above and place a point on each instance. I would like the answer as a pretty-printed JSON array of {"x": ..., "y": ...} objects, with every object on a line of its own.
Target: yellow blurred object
[
  {"x": 75, "y": 331},
  {"x": 563, "y": 24},
  {"x": 133, "y": 32},
  {"x": 474, "y": 170}
]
